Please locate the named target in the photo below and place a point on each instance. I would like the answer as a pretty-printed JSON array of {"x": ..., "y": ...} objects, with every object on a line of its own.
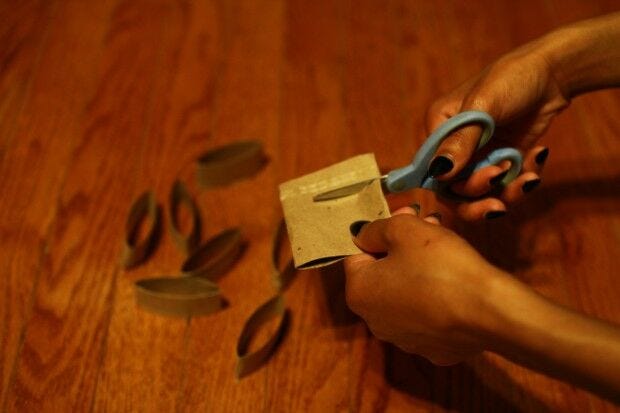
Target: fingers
[
  {"x": 535, "y": 159},
  {"x": 414, "y": 209},
  {"x": 392, "y": 235},
  {"x": 522, "y": 185},
  {"x": 488, "y": 208},
  {"x": 358, "y": 261},
  {"x": 407, "y": 210},
  {"x": 530, "y": 177},
  {"x": 480, "y": 182},
  {"x": 487, "y": 179},
  {"x": 371, "y": 237},
  {"x": 454, "y": 152},
  {"x": 491, "y": 208},
  {"x": 434, "y": 218}
]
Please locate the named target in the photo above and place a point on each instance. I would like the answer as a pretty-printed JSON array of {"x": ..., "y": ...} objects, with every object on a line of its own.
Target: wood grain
[
  {"x": 23, "y": 36},
  {"x": 100, "y": 101}
]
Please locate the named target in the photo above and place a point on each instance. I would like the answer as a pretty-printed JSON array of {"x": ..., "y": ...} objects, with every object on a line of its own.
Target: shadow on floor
[{"x": 457, "y": 388}]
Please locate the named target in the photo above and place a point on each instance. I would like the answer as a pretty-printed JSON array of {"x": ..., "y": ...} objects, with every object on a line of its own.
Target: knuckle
[
  {"x": 398, "y": 229},
  {"x": 477, "y": 102},
  {"x": 458, "y": 136},
  {"x": 434, "y": 109}
]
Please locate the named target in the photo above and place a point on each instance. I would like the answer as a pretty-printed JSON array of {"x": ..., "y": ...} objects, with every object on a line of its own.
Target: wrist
[
  {"x": 494, "y": 308},
  {"x": 583, "y": 56},
  {"x": 513, "y": 316},
  {"x": 565, "y": 51}
]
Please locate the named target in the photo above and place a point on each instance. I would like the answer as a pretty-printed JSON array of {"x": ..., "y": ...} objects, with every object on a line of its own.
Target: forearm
[
  {"x": 585, "y": 55},
  {"x": 530, "y": 330}
]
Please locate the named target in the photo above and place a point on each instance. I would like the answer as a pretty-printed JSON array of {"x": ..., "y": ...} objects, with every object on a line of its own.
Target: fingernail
[
  {"x": 530, "y": 185},
  {"x": 436, "y": 215},
  {"x": 497, "y": 179},
  {"x": 542, "y": 156},
  {"x": 356, "y": 227},
  {"x": 416, "y": 207},
  {"x": 494, "y": 214},
  {"x": 440, "y": 166}
]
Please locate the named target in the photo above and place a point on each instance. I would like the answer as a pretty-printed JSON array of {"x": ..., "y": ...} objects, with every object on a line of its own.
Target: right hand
[{"x": 522, "y": 95}]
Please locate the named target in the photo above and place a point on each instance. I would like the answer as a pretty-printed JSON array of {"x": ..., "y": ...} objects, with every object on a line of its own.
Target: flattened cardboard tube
[
  {"x": 135, "y": 251},
  {"x": 179, "y": 296},
  {"x": 180, "y": 196},
  {"x": 215, "y": 257},
  {"x": 230, "y": 163},
  {"x": 319, "y": 231},
  {"x": 250, "y": 362},
  {"x": 281, "y": 273}
]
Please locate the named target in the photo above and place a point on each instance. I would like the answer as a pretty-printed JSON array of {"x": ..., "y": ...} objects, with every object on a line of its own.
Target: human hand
[
  {"x": 522, "y": 95},
  {"x": 427, "y": 295}
]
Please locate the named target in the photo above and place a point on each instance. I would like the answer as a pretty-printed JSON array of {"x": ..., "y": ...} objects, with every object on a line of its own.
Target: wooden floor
[{"x": 101, "y": 100}]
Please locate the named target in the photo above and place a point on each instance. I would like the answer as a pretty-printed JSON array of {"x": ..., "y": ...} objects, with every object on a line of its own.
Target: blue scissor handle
[{"x": 415, "y": 175}]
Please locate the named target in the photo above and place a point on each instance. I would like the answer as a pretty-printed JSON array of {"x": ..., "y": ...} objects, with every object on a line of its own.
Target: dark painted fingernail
[
  {"x": 440, "y": 166},
  {"x": 356, "y": 227},
  {"x": 494, "y": 214},
  {"x": 497, "y": 179},
  {"x": 416, "y": 207},
  {"x": 530, "y": 185},
  {"x": 542, "y": 156}
]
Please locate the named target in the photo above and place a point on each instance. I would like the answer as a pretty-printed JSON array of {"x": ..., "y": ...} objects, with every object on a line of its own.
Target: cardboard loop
[
  {"x": 250, "y": 362},
  {"x": 136, "y": 250},
  {"x": 215, "y": 257},
  {"x": 230, "y": 163},
  {"x": 281, "y": 273},
  {"x": 179, "y": 296},
  {"x": 179, "y": 195}
]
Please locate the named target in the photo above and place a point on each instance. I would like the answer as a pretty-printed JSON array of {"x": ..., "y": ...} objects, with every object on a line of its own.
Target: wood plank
[
  {"x": 311, "y": 370},
  {"x": 22, "y": 35},
  {"x": 101, "y": 101},
  {"x": 246, "y": 106},
  {"x": 64, "y": 340},
  {"x": 35, "y": 167},
  {"x": 192, "y": 45}
]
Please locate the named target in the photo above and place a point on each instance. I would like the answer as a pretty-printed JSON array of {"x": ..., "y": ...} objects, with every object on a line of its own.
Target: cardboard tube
[
  {"x": 230, "y": 163},
  {"x": 136, "y": 251},
  {"x": 179, "y": 296}
]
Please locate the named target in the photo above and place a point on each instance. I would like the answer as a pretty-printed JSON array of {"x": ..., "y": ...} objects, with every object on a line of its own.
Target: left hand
[{"x": 425, "y": 296}]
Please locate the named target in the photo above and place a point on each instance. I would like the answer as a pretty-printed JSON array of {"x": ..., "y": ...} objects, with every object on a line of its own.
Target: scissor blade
[{"x": 344, "y": 190}]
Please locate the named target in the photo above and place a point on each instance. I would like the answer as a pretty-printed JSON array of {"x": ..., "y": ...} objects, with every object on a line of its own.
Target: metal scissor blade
[{"x": 344, "y": 191}]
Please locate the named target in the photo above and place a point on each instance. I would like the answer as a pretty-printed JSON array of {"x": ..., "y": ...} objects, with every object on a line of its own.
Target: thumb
[
  {"x": 389, "y": 234},
  {"x": 370, "y": 237},
  {"x": 457, "y": 149},
  {"x": 455, "y": 152}
]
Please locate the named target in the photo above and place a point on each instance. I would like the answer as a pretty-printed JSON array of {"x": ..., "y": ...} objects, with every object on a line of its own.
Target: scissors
[{"x": 415, "y": 175}]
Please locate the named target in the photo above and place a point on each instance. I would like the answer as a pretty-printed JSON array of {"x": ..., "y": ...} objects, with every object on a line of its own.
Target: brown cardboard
[{"x": 319, "y": 231}]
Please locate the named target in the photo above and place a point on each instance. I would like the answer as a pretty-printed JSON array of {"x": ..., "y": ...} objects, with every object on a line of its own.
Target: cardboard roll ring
[
  {"x": 179, "y": 195},
  {"x": 179, "y": 296},
  {"x": 281, "y": 273},
  {"x": 136, "y": 251},
  {"x": 230, "y": 163},
  {"x": 216, "y": 256},
  {"x": 249, "y": 362}
]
